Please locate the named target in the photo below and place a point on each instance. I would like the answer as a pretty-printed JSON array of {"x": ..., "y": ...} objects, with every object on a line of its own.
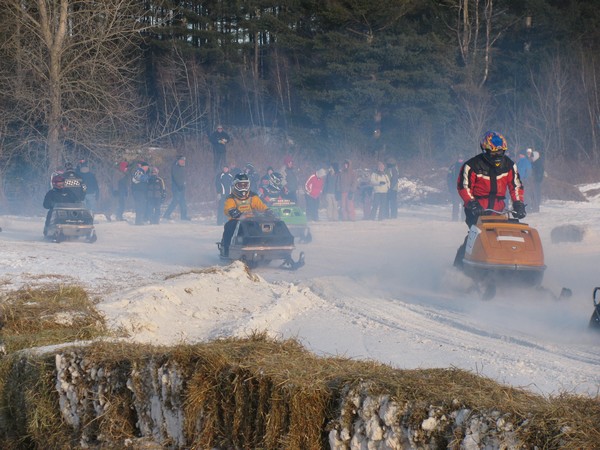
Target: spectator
[
  {"x": 122, "y": 191},
  {"x": 381, "y": 185},
  {"x": 253, "y": 175},
  {"x": 290, "y": 179},
  {"x": 330, "y": 189},
  {"x": 178, "y": 185},
  {"x": 452, "y": 179},
  {"x": 537, "y": 177},
  {"x": 314, "y": 188},
  {"x": 524, "y": 167},
  {"x": 156, "y": 196},
  {"x": 58, "y": 194},
  {"x": 223, "y": 185},
  {"x": 219, "y": 140},
  {"x": 347, "y": 187},
  {"x": 139, "y": 190},
  {"x": 392, "y": 195},
  {"x": 92, "y": 192}
]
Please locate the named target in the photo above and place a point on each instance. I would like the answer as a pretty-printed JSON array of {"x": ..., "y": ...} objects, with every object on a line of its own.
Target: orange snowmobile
[{"x": 499, "y": 248}]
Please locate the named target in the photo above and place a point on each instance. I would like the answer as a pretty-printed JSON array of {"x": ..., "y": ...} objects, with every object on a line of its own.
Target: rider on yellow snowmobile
[{"x": 240, "y": 202}]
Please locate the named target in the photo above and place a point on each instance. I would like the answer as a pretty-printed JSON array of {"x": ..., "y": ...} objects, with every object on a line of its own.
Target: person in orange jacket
[{"x": 241, "y": 202}]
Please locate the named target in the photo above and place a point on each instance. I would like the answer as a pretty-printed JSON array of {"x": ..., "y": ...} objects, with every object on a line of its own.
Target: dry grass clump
[{"x": 41, "y": 316}]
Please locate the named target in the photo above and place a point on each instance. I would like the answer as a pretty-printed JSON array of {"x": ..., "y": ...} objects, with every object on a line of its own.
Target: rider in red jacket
[{"x": 483, "y": 180}]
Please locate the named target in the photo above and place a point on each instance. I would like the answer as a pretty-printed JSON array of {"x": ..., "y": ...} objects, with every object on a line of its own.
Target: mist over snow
[{"x": 383, "y": 291}]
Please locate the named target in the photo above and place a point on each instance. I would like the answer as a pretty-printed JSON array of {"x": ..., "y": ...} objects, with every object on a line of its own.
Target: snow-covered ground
[{"x": 383, "y": 291}]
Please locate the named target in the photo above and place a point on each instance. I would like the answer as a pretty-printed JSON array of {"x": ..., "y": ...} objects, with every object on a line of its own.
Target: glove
[
  {"x": 475, "y": 208},
  {"x": 518, "y": 211},
  {"x": 350, "y": 195},
  {"x": 234, "y": 213}
]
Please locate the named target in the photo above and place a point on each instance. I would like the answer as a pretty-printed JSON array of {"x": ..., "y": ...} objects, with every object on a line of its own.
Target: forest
[{"x": 413, "y": 79}]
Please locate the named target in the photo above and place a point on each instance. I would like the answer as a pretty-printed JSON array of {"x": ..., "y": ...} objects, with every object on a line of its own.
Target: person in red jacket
[
  {"x": 483, "y": 181},
  {"x": 313, "y": 188}
]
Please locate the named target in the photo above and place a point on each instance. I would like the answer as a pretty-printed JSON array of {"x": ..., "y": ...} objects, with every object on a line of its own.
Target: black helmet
[{"x": 241, "y": 186}]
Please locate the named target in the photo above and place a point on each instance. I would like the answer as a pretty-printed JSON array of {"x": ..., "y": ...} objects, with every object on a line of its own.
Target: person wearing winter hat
[
  {"x": 139, "y": 191},
  {"x": 155, "y": 196},
  {"x": 289, "y": 179},
  {"x": 219, "y": 140},
  {"x": 178, "y": 185}
]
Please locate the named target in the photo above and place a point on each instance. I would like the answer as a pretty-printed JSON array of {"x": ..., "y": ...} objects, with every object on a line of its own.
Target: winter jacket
[
  {"x": 55, "y": 196},
  {"x": 245, "y": 206},
  {"x": 380, "y": 182},
  {"x": 74, "y": 183},
  {"x": 524, "y": 168},
  {"x": 139, "y": 180},
  {"x": 177, "y": 177},
  {"x": 223, "y": 183},
  {"x": 480, "y": 179},
  {"x": 91, "y": 183},
  {"x": 156, "y": 188},
  {"x": 314, "y": 183},
  {"x": 393, "y": 174},
  {"x": 348, "y": 180},
  {"x": 290, "y": 178}
]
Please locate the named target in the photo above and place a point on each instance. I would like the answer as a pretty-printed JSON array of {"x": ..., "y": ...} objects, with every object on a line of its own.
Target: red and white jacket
[{"x": 479, "y": 179}]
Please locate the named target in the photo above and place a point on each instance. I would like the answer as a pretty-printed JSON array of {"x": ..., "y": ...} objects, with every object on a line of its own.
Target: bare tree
[{"x": 68, "y": 70}]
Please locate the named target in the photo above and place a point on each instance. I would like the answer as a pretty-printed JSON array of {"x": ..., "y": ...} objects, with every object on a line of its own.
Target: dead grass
[{"x": 33, "y": 317}]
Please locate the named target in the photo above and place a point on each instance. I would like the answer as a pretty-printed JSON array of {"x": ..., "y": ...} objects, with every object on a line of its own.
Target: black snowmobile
[
  {"x": 595, "y": 319},
  {"x": 69, "y": 221},
  {"x": 260, "y": 239}
]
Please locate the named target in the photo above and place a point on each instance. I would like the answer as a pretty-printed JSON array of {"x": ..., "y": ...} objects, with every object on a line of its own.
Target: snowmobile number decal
[
  {"x": 473, "y": 233},
  {"x": 510, "y": 238}
]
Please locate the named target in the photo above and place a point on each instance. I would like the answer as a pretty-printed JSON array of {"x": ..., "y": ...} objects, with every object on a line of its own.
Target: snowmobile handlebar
[{"x": 491, "y": 211}]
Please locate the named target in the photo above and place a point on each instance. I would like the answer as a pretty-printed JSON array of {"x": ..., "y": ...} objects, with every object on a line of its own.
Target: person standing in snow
[
  {"x": 139, "y": 191},
  {"x": 178, "y": 185},
  {"x": 122, "y": 191},
  {"x": 537, "y": 178},
  {"x": 290, "y": 179},
  {"x": 223, "y": 184},
  {"x": 219, "y": 140},
  {"x": 241, "y": 202},
  {"x": 313, "y": 188},
  {"x": 156, "y": 196},
  {"x": 381, "y": 185},
  {"x": 92, "y": 191},
  {"x": 393, "y": 174},
  {"x": 452, "y": 179},
  {"x": 348, "y": 184},
  {"x": 483, "y": 180}
]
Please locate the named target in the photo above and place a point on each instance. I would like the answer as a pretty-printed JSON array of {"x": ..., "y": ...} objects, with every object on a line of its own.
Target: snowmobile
[
  {"x": 260, "y": 239},
  {"x": 295, "y": 219},
  {"x": 499, "y": 247},
  {"x": 595, "y": 319},
  {"x": 70, "y": 221}
]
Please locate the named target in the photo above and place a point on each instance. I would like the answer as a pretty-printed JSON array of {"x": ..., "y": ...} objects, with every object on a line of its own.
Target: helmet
[
  {"x": 494, "y": 145},
  {"x": 493, "y": 142},
  {"x": 241, "y": 186},
  {"x": 58, "y": 179},
  {"x": 275, "y": 180}
]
